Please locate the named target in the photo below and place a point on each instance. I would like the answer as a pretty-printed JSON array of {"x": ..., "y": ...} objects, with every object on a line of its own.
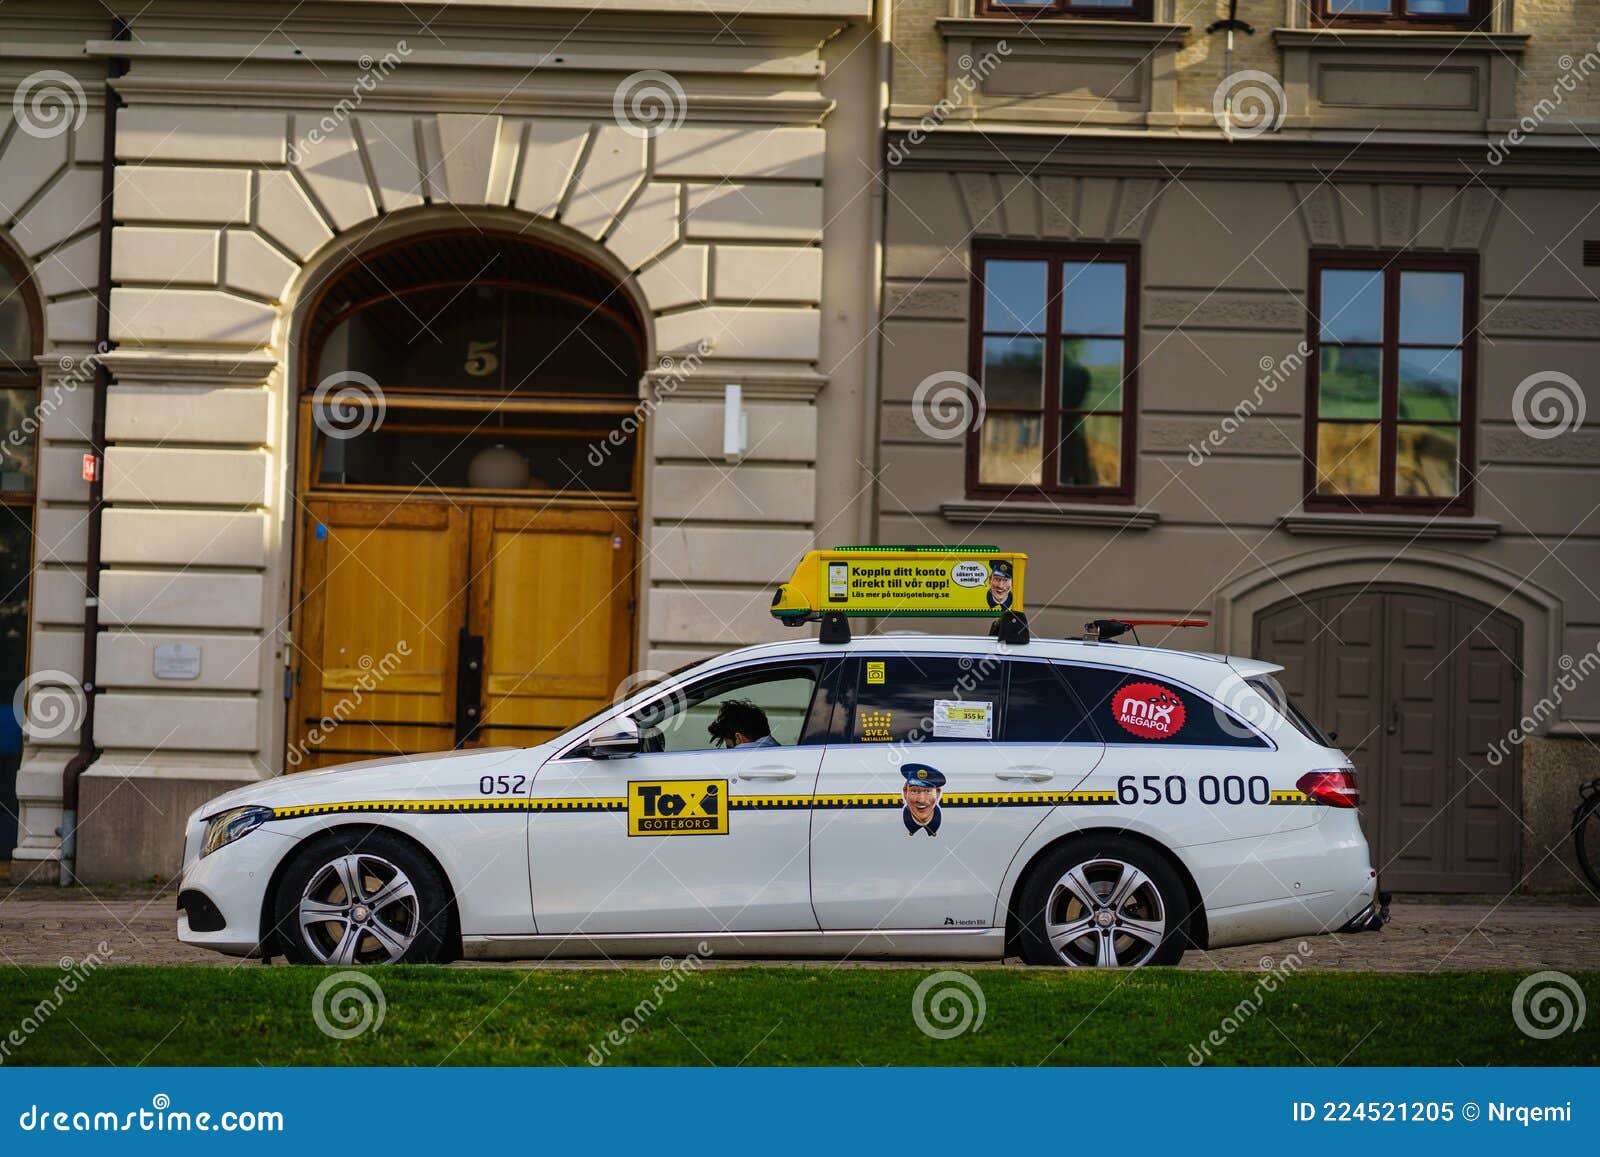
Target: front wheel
[
  {"x": 365, "y": 897},
  {"x": 1103, "y": 902}
]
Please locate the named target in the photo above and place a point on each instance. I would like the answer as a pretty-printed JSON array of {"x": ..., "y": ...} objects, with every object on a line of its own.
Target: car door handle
[
  {"x": 768, "y": 773},
  {"x": 1026, "y": 774}
]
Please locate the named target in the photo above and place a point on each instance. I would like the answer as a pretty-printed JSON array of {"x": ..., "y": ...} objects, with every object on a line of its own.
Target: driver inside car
[{"x": 740, "y": 723}]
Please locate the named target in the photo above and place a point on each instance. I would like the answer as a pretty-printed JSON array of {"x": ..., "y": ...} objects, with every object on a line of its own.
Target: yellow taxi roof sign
[{"x": 903, "y": 581}]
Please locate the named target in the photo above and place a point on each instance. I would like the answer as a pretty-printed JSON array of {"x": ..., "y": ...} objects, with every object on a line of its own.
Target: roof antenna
[{"x": 1109, "y": 630}]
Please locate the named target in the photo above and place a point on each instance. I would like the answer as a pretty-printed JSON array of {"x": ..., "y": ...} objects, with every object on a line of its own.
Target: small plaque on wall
[{"x": 177, "y": 661}]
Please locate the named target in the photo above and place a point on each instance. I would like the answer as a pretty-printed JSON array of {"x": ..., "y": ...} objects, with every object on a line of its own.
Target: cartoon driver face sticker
[
  {"x": 923, "y": 788},
  {"x": 1148, "y": 710},
  {"x": 1000, "y": 584}
]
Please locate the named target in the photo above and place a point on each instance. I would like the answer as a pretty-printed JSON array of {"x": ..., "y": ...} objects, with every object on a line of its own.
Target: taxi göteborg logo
[{"x": 678, "y": 807}]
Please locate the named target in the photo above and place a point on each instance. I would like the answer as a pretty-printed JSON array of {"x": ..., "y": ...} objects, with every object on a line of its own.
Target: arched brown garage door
[{"x": 1417, "y": 684}]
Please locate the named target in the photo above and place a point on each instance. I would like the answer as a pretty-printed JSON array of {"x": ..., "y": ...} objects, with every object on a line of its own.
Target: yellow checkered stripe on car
[
  {"x": 1291, "y": 797},
  {"x": 456, "y": 806},
  {"x": 735, "y": 803}
]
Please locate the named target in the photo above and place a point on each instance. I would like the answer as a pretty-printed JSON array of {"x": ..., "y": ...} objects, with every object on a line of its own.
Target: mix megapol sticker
[{"x": 1148, "y": 710}]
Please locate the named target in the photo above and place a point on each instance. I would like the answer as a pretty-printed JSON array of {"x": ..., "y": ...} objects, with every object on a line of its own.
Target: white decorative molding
[
  {"x": 1050, "y": 514},
  {"x": 1412, "y": 528}
]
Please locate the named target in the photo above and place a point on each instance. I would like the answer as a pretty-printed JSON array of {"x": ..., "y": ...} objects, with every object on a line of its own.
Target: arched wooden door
[
  {"x": 1417, "y": 684},
  {"x": 468, "y": 500}
]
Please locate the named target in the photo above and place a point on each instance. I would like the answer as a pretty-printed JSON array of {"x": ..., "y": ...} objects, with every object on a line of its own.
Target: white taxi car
[{"x": 1072, "y": 802}]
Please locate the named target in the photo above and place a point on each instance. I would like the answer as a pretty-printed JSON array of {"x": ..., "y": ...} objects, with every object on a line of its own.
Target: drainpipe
[
  {"x": 73, "y": 773},
  {"x": 871, "y": 455}
]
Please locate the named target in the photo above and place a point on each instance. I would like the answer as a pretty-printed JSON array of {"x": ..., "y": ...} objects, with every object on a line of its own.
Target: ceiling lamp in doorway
[{"x": 498, "y": 467}]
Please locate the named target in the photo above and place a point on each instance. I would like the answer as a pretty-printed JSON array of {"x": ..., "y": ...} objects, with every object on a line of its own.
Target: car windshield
[{"x": 655, "y": 679}]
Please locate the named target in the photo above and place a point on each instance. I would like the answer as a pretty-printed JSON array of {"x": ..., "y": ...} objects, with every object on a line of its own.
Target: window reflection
[
  {"x": 477, "y": 449},
  {"x": 1390, "y": 379},
  {"x": 486, "y": 339}
]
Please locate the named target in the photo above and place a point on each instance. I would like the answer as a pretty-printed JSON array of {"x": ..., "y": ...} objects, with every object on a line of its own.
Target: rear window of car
[
  {"x": 1134, "y": 707},
  {"x": 925, "y": 698},
  {"x": 1041, "y": 709}
]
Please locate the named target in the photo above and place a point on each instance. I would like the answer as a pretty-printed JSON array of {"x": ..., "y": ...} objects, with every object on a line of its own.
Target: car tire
[
  {"x": 1125, "y": 902},
  {"x": 383, "y": 902}
]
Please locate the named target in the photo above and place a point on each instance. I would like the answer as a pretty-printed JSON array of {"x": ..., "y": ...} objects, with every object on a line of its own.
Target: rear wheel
[
  {"x": 362, "y": 898},
  {"x": 1103, "y": 902}
]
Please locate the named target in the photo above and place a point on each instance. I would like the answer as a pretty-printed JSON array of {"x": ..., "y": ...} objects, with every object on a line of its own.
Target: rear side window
[
  {"x": 1131, "y": 707},
  {"x": 1272, "y": 691},
  {"x": 1040, "y": 708},
  {"x": 917, "y": 699}
]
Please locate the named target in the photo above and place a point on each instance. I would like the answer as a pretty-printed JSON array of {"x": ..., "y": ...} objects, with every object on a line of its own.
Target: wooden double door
[
  {"x": 425, "y": 625},
  {"x": 1416, "y": 684}
]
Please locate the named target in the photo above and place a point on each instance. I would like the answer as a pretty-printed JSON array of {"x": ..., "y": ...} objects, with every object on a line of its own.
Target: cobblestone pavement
[{"x": 44, "y": 926}]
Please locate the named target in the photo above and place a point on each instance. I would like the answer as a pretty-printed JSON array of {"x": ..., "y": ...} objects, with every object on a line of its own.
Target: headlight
[{"x": 225, "y": 827}]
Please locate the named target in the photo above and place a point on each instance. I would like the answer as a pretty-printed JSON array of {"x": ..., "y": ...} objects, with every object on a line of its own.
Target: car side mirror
[{"x": 613, "y": 738}]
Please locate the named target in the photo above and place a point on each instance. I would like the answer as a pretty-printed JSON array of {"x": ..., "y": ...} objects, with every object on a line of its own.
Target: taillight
[{"x": 1335, "y": 787}]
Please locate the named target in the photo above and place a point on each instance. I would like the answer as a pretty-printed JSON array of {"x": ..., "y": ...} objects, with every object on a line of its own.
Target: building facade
[
  {"x": 419, "y": 335},
  {"x": 382, "y": 381},
  {"x": 1296, "y": 337}
]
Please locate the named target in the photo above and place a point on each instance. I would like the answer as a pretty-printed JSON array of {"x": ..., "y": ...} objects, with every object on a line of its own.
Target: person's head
[
  {"x": 923, "y": 787},
  {"x": 738, "y": 722},
  {"x": 1000, "y": 581}
]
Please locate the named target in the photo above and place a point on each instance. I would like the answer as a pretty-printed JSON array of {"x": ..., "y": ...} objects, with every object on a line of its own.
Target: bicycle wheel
[{"x": 1586, "y": 834}]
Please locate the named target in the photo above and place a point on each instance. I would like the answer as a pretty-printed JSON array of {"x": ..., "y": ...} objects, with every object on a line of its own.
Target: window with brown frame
[
  {"x": 1054, "y": 344},
  {"x": 1083, "y": 9},
  {"x": 1461, "y": 14},
  {"x": 1391, "y": 395},
  {"x": 21, "y": 333}
]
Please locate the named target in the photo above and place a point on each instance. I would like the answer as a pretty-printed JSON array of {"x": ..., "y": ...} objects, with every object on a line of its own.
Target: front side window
[
  {"x": 1425, "y": 13},
  {"x": 925, "y": 698},
  {"x": 773, "y": 700},
  {"x": 1054, "y": 350},
  {"x": 1391, "y": 380}
]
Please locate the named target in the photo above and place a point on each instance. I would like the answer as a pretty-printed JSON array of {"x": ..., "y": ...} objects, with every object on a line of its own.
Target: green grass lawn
[{"x": 780, "y": 1016}]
